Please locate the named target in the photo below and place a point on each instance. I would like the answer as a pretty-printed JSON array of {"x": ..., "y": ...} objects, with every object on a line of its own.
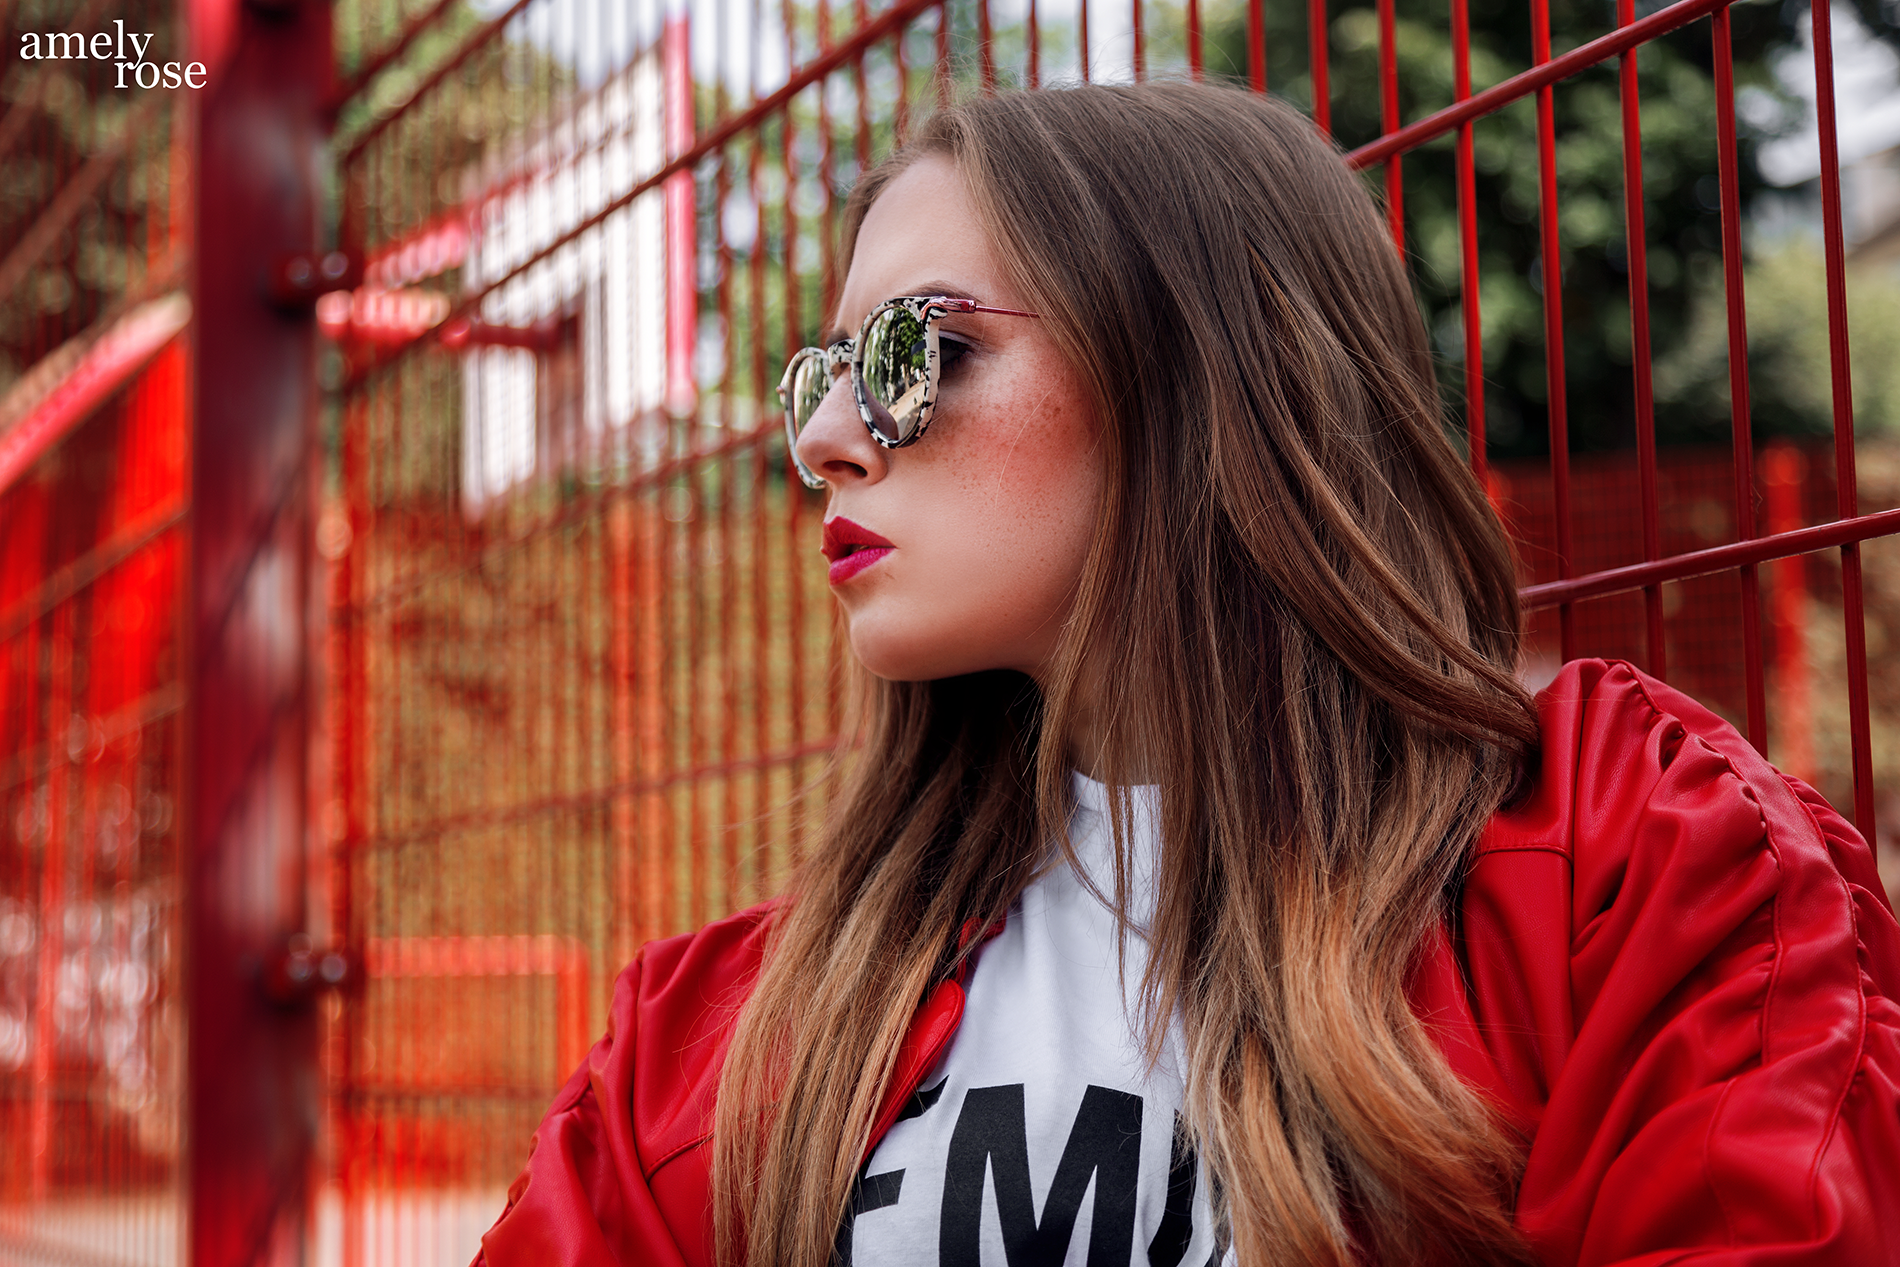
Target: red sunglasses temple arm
[{"x": 951, "y": 304}]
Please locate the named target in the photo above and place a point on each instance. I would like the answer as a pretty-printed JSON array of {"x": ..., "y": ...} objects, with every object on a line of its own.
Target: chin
[
  {"x": 905, "y": 668},
  {"x": 900, "y": 659}
]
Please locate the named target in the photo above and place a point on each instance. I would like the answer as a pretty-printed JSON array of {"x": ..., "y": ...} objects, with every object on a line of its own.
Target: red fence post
[
  {"x": 1552, "y": 275},
  {"x": 1784, "y": 475},
  {"x": 1389, "y": 123},
  {"x": 1846, "y": 488},
  {"x": 1317, "y": 56},
  {"x": 252, "y": 1074},
  {"x": 52, "y": 899},
  {"x": 1636, "y": 252}
]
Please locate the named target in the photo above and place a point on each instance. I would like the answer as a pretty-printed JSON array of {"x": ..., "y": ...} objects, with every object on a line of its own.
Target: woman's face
[{"x": 989, "y": 516}]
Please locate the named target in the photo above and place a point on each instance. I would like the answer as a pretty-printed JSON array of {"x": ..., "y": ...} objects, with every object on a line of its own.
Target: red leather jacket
[{"x": 1678, "y": 973}]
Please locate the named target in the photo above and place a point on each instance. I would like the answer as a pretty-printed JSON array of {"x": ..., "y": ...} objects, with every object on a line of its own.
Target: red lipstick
[{"x": 851, "y": 548}]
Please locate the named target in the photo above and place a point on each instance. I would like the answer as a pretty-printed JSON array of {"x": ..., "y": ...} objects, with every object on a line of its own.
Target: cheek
[
  {"x": 1033, "y": 459},
  {"x": 1042, "y": 513},
  {"x": 1007, "y": 539},
  {"x": 1045, "y": 472}
]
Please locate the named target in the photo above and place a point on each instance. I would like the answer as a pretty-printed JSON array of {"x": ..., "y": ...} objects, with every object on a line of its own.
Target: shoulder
[
  {"x": 1617, "y": 743},
  {"x": 1683, "y": 971},
  {"x": 673, "y": 1011},
  {"x": 688, "y": 977},
  {"x": 617, "y": 1172},
  {"x": 1633, "y": 770}
]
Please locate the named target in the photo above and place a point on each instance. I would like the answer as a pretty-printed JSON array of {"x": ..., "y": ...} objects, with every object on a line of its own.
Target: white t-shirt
[{"x": 1042, "y": 1136}]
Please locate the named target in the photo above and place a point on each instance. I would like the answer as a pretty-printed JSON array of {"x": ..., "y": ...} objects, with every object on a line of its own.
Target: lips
[{"x": 852, "y": 548}]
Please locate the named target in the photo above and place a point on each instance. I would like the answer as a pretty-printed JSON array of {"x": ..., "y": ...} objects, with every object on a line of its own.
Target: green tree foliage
[{"x": 1676, "y": 78}]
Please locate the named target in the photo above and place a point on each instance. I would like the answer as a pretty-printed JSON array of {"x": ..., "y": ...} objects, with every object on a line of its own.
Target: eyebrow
[{"x": 834, "y": 333}]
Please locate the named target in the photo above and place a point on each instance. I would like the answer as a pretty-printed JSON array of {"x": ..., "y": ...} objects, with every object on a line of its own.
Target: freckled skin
[{"x": 993, "y": 511}]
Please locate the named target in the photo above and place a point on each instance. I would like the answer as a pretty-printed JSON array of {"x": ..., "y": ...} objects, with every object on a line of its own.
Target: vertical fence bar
[
  {"x": 623, "y": 748},
  {"x": 1032, "y": 37},
  {"x": 985, "y": 45},
  {"x": 1470, "y": 301},
  {"x": 762, "y": 472},
  {"x": 698, "y": 751},
  {"x": 353, "y": 766},
  {"x": 252, "y": 1064},
  {"x": 827, "y": 173},
  {"x": 1081, "y": 38},
  {"x": 1140, "y": 55},
  {"x": 945, "y": 83},
  {"x": 1636, "y": 251},
  {"x": 1317, "y": 64},
  {"x": 1256, "y": 45},
  {"x": 729, "y": 484},
  {"x": 1784, "y": 479},
  {"x": 1741, "y": 430},
  {"x": 1194, "y": 39},
  {"x": 52, "y": 950},
  {"x": 1389, "y": 123},
  {"x": 1847, "y": 493},
  {"x": 651, "y": 685},
  {"x": 900, "y": 113},
  {"x": 1551, "y": 275},
  {"x": 794, "y": 501}
]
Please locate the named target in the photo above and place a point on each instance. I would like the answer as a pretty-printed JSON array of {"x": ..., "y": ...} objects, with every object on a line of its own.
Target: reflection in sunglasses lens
[
  {"x": 808, "y": 389},
  {"x": 896, "y": 371}
]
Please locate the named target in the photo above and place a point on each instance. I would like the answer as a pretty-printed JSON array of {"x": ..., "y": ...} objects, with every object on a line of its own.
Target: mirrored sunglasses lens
[
  {"x": 808, "y": 389},
  {"x": 895, "y": 373}
]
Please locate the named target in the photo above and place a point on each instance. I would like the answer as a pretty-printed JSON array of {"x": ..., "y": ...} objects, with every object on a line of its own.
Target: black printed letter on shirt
[
  {"x": 1172, "y": 1237},
  {"x": 878, "y": 1192},
  {"x": 869, "y": 1193},
  {"x": 991, "y": 1136}
]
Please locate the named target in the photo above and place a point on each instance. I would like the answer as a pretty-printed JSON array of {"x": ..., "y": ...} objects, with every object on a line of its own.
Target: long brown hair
[{"x": 1312, "y": 617}]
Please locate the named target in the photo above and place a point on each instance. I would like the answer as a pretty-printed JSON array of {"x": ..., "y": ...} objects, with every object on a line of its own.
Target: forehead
[{"x": 922, "y": 229}]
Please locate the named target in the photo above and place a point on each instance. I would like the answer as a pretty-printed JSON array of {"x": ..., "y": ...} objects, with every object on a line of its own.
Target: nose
[{"x": 836, "y": 446}]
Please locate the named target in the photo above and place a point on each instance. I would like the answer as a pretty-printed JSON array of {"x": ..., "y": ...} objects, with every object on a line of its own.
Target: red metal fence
[
  {"x": 579, "y": 667},
  {"x": 567, "y": 668},
  {"x": 580, "y": 651},
  {"x": 94, "y": 492},
  {"x": 91, "y": 1027}
]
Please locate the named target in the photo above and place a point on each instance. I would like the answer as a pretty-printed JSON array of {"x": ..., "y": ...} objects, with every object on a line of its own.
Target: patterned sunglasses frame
[{"x": 927, "y": 311}]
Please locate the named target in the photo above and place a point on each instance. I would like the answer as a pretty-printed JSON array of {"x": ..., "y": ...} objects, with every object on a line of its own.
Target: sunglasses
[{"x": 895, "y": 361}]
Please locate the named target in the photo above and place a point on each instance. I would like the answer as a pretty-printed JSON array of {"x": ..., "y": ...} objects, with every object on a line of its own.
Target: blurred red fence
[
  {"x": 1703, "y": 636},
  {"x": 566, "y": 667},
  {"x": 94, "y": 497},
  {"x": 91, "y": 1030}
]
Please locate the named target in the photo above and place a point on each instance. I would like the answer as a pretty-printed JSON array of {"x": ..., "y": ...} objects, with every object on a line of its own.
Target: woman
[{"x": 1205, "y": 887}]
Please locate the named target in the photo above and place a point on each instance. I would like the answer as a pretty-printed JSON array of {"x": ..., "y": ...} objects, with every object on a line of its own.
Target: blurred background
[{"x": 405, "y": 611}]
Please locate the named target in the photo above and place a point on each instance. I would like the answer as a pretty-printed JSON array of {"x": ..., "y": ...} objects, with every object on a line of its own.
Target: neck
[{"x": 1094, "y": 745}]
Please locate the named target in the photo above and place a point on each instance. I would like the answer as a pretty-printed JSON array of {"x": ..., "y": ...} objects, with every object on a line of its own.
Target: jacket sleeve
[
  {"x": 1684, "y": 971},
  {"x": 617, "y": 1175},
  {"x": 583, "y": 1200}
]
